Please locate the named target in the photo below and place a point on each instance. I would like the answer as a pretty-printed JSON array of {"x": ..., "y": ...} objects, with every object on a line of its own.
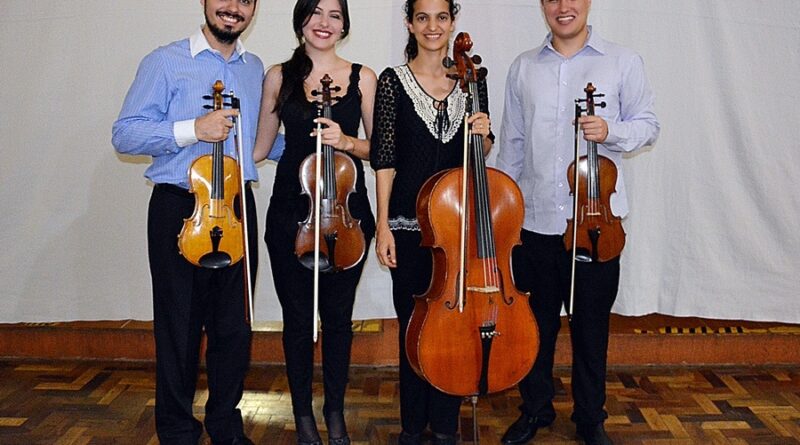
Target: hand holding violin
[
  {"x": 595, "y": 128},
  {"x": 215, "y": 126},
  {"x": 332, "y": 135}
]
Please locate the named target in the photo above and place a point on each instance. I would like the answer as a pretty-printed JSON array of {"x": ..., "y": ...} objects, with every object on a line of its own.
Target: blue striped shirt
[{"x": 157, "y": 117}]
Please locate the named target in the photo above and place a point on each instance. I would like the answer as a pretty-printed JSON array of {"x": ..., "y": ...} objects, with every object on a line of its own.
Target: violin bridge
[{"x": 484, "y": 289}]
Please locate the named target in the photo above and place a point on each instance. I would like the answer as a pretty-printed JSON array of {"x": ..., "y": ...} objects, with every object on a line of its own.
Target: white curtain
[{"x": 713, "y": 204}]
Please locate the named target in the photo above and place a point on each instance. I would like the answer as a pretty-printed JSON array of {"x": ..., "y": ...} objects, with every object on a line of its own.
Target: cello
[
  {"x": 330, "y": 239},
  {"x": 472, "y": 332},
  {"x": 216, "y": 235}
]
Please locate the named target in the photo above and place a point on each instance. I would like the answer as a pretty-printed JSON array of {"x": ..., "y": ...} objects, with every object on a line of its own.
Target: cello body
[
  {"x": 472, "y": 332},
  {"x": 445, "y": 345}
]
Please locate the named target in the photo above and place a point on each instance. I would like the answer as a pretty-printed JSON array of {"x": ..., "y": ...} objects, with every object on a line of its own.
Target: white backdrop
[{"x": 713, "y": 204}]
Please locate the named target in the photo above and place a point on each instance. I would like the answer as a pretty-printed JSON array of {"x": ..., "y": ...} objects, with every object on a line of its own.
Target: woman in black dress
[
  {"x": 419, "y": 131},
  {"x": 287, "y": 99}
]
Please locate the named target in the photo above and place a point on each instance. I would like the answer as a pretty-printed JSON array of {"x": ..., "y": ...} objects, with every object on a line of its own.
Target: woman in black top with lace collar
[
  {"x": 418, "y": 131},
  {"x": 318, "y": 25}
]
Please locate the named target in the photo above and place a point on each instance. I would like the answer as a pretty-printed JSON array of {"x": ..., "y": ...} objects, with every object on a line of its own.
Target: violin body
[
  {"x": 599, "y": 235},
  {"x": 342, "y": 244},
  {"x": 472, "y": 332},
  {"x": 213, "y": 236},
  {"x": 443, "y": 344}
]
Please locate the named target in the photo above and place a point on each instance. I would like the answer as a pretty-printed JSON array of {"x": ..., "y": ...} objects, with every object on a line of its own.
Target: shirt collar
[
  {"x": 595, "y": 42},
  {"x": 198, "y": 43}
]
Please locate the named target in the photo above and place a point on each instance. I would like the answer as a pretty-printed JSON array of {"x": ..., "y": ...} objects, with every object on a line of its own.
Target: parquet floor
[{"x": 112, "y": 403}]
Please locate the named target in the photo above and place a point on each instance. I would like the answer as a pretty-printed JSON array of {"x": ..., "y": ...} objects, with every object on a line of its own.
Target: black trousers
[
  {"x": 186, "y": 300},
  {"x": 420, "y": 403},
  {"x": 294, "y": 285},
  {"x": 542, "y": 266}
]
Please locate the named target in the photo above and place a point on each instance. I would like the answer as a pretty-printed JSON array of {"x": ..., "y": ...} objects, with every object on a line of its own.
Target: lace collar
[{"x": 427, "y": 109}]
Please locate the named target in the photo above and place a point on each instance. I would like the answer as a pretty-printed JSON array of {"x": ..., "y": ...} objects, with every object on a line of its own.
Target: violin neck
[
  {"x": 481, "y": 206},
  {"x": 328, "y": 163},
  {"x": 592, "y": 171},
  {"x": 218, "y": 171}
]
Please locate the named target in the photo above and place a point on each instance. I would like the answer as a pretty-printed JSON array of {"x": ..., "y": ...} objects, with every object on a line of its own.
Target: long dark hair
[
  {"x": 411, "y": 47},
  {"x": 295, "y": 70}
]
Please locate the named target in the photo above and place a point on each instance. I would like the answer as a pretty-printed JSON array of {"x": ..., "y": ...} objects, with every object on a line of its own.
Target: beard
[{"x": 223, "y": 35}]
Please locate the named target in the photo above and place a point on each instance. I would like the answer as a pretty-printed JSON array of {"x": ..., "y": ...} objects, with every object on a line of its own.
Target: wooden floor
[{"x": 74, "y": 402}]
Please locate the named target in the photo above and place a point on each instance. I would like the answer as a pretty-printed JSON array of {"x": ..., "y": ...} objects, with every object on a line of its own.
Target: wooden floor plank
[{"x": 91, "y": 403}]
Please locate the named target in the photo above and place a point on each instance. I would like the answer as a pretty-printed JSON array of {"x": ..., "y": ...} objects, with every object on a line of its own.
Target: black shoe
[
  {"x": 522, "y": 430},
  {"x": 444, "y": 439},
  {"x": 241, "y": 440},
  {"x": 594, "y": 434},
  {"x": 409, "y": 439}
]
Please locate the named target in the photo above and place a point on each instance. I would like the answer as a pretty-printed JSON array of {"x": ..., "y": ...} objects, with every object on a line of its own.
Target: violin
[
  {"x": 328, "y": 177},
  {"x": 472, "y": 332},
  {"x": 330, "y": 239},
  {"x": 595, "y": 232},
  {"x": 213, "y": 237}
]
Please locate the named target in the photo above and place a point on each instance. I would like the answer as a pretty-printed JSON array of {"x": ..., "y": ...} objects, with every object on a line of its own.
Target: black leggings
[{"x": 294, "y": 286}]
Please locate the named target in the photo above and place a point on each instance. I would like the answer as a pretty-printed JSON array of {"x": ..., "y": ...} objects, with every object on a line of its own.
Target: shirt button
[
  {"x": 563, "y": 82},
  {"x": 561, "y": 207},
  {"x": 561, "y": 184},
  {"x": 560, "y": 159}
]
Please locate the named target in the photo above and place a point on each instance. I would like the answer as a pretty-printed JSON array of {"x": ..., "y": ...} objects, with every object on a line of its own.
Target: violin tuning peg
[
  {"x": 208, "y": 107},
  {"x": 207, "y": 97},
  {"x": 476, "y": 59},
  {"x": 601, "y": 104},
  {"x": 315, "y": 93},
  {"x": 453, "y": 76},
  {"x": 482, "y": 73},
  {"x": 448, "y": 62}
]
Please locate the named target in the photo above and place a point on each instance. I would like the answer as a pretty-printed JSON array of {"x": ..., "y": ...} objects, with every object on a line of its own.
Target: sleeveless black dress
[{"x": 293, "y": 282}]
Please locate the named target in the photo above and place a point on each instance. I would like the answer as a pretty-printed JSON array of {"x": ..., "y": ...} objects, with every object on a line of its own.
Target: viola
[
  {"x": 472, "y": 332},
  {"x": 330, "y": 237},
  {"x": 213, "y": 237},
  {"x": 594, "y": 231}
]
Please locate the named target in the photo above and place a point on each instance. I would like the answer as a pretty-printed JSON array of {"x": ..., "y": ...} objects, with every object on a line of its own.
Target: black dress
[
  {"x": 293, "y": 282},
  {"x": 417, "y": 136}
]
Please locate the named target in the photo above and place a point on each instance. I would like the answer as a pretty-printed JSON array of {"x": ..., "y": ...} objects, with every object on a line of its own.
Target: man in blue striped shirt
[{"x": 163, "y": 117}]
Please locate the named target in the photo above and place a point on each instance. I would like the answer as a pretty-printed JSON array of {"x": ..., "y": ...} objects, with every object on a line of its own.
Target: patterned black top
[
  {"x": 298, "y": 116},
  {"x": 417, "y": 136}
]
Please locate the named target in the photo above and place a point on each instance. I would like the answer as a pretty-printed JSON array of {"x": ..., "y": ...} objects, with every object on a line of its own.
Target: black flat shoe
[
  {"x": 594, "y": 434},
  {"x": 409, "y": 439},
  {"x": 444, "y": 439},
  {"x": 522, "y": 430}
]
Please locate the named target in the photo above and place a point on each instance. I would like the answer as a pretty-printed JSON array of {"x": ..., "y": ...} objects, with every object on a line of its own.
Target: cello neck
[{"x": 483, "y": 218}]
